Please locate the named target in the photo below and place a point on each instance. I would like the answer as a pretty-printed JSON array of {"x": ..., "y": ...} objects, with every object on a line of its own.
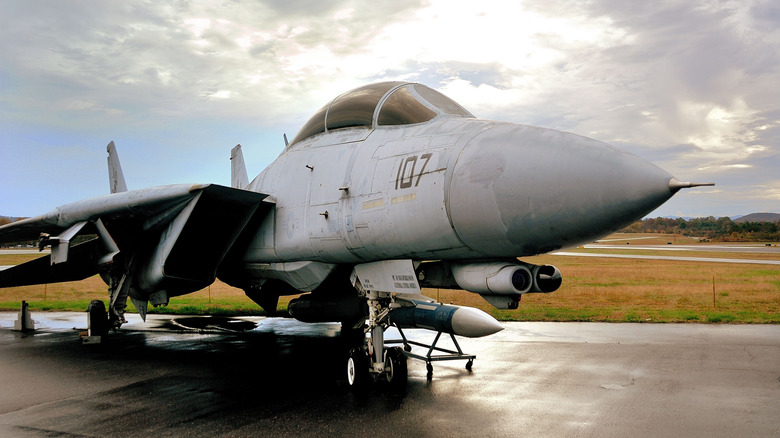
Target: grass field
[{"x": 594, "y": 289}]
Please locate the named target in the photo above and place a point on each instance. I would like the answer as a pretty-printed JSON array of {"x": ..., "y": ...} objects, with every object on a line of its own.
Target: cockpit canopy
[{"x": 380, "y": 104}]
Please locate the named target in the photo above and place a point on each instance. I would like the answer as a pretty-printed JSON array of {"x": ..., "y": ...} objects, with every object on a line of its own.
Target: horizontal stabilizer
[{"x": 82, "y": 263}]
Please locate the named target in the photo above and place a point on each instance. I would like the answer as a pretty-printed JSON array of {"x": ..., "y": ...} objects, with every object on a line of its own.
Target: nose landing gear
[
  {"x": 396, "y": 371},
  {"x": 357, "y": 369},
  {"x": 372, "y": 361},
  {"x": 360, "y": 375}
]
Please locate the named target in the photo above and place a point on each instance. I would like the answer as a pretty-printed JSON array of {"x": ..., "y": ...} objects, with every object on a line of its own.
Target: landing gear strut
[
  {"x": 119, "y": 288},
  {"x": 372, "y": 361}
]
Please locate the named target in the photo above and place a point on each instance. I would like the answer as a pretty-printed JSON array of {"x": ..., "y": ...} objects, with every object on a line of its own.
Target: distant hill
[
  {"x": 687, "y": 218},
  {"x": 746, "y": 229},
  {"x": 759, "y": 217},
  {"x": 752, "y": 217}
]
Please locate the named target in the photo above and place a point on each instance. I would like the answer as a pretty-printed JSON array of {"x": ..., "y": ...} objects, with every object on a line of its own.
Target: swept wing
[{"x": 172, "y": 237}]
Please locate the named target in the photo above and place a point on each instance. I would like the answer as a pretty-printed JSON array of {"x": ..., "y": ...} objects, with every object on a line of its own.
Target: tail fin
[
  {"x": 238, "y": 178},
  {"x": 115, "y": 176}
]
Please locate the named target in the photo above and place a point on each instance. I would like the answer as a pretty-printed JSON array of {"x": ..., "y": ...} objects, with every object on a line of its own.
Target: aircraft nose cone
[{"x": 521, "y": 190}]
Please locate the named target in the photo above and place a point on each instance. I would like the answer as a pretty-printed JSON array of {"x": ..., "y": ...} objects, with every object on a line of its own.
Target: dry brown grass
[{"x": 659, "y": 290}]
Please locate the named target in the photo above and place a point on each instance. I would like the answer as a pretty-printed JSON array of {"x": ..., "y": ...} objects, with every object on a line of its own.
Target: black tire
[
  {"x": 97, "y": 318},
  {"x": 396, "y": 370},
  {"x": 358, "y": 376}
]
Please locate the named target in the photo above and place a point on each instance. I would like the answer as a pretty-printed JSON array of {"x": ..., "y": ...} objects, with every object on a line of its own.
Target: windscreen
[
  {"x": 406, "y": 105},
  {"x": 401, "y": 108}
]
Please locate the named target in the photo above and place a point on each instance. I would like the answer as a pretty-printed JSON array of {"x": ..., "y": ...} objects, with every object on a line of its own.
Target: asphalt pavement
[{"x": 208, "y": 376}]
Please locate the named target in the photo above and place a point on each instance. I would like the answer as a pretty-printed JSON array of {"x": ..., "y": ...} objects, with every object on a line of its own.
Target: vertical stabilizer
[
  {"x": 238, "y": 178},
  {"x": 115, "y": 176}
]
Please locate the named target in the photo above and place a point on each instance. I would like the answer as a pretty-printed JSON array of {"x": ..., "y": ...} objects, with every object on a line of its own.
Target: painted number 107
[{"x": 408, "y": 175}]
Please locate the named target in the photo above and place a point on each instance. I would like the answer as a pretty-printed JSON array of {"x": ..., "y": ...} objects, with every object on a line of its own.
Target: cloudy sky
[{"x": 690, "y": 85}]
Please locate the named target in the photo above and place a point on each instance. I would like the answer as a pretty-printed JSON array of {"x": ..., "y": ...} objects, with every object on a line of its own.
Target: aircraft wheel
[
  {"x": 358, "y": 376},
  {"x": 429, "y": 367},
  {"x": 469, "y": 364},
  {"x": 395, "y": 368},
  {"x": 98, "y": 318}
]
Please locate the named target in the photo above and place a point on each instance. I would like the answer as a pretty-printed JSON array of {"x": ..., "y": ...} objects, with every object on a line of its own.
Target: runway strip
[
  {"x": 756, "y": 249},
  {"x": 627, "y": 238},
  {"x": 679, "y": 259}
]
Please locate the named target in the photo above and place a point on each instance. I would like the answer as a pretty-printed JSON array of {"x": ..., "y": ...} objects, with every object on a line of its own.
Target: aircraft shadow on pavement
[{"x": 217, "y": 375}]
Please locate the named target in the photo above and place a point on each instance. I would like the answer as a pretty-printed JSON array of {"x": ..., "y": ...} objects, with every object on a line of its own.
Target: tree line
[{"x": 722, "y": 229}]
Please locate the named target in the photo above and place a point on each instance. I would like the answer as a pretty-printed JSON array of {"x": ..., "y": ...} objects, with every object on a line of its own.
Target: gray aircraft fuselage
[
  {"x": 386, "y": 172},
  {"x": 452, "y": 188},
  {"x": 388, "y": 188}
]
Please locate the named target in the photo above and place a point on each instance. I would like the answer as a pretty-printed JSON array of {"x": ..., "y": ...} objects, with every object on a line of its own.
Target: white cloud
[{"x": 690, "y": 84}]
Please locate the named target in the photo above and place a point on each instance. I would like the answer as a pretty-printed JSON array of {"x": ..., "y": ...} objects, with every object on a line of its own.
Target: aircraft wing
[
  {"x": 175, "y": 232},
  {"x": 124, "y": 206}
]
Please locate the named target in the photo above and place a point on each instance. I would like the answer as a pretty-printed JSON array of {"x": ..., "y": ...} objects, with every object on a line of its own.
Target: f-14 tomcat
[{"x": 388, "y": 188}]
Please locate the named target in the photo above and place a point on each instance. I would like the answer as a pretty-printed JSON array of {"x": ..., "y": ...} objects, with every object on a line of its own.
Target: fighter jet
[{"x": 386, "y": 189}]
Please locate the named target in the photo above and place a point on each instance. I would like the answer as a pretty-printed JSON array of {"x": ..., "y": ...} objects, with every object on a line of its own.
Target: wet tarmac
[{"x": 207, "y": 376}]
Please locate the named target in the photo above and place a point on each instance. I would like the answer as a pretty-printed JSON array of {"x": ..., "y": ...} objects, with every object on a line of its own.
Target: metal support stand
[
  {"x": 24, "y": 322},
  {"x": 97, "y": 323},
  {"x": 90, "y": 340},
  {"x": 429, "y": 357}
]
